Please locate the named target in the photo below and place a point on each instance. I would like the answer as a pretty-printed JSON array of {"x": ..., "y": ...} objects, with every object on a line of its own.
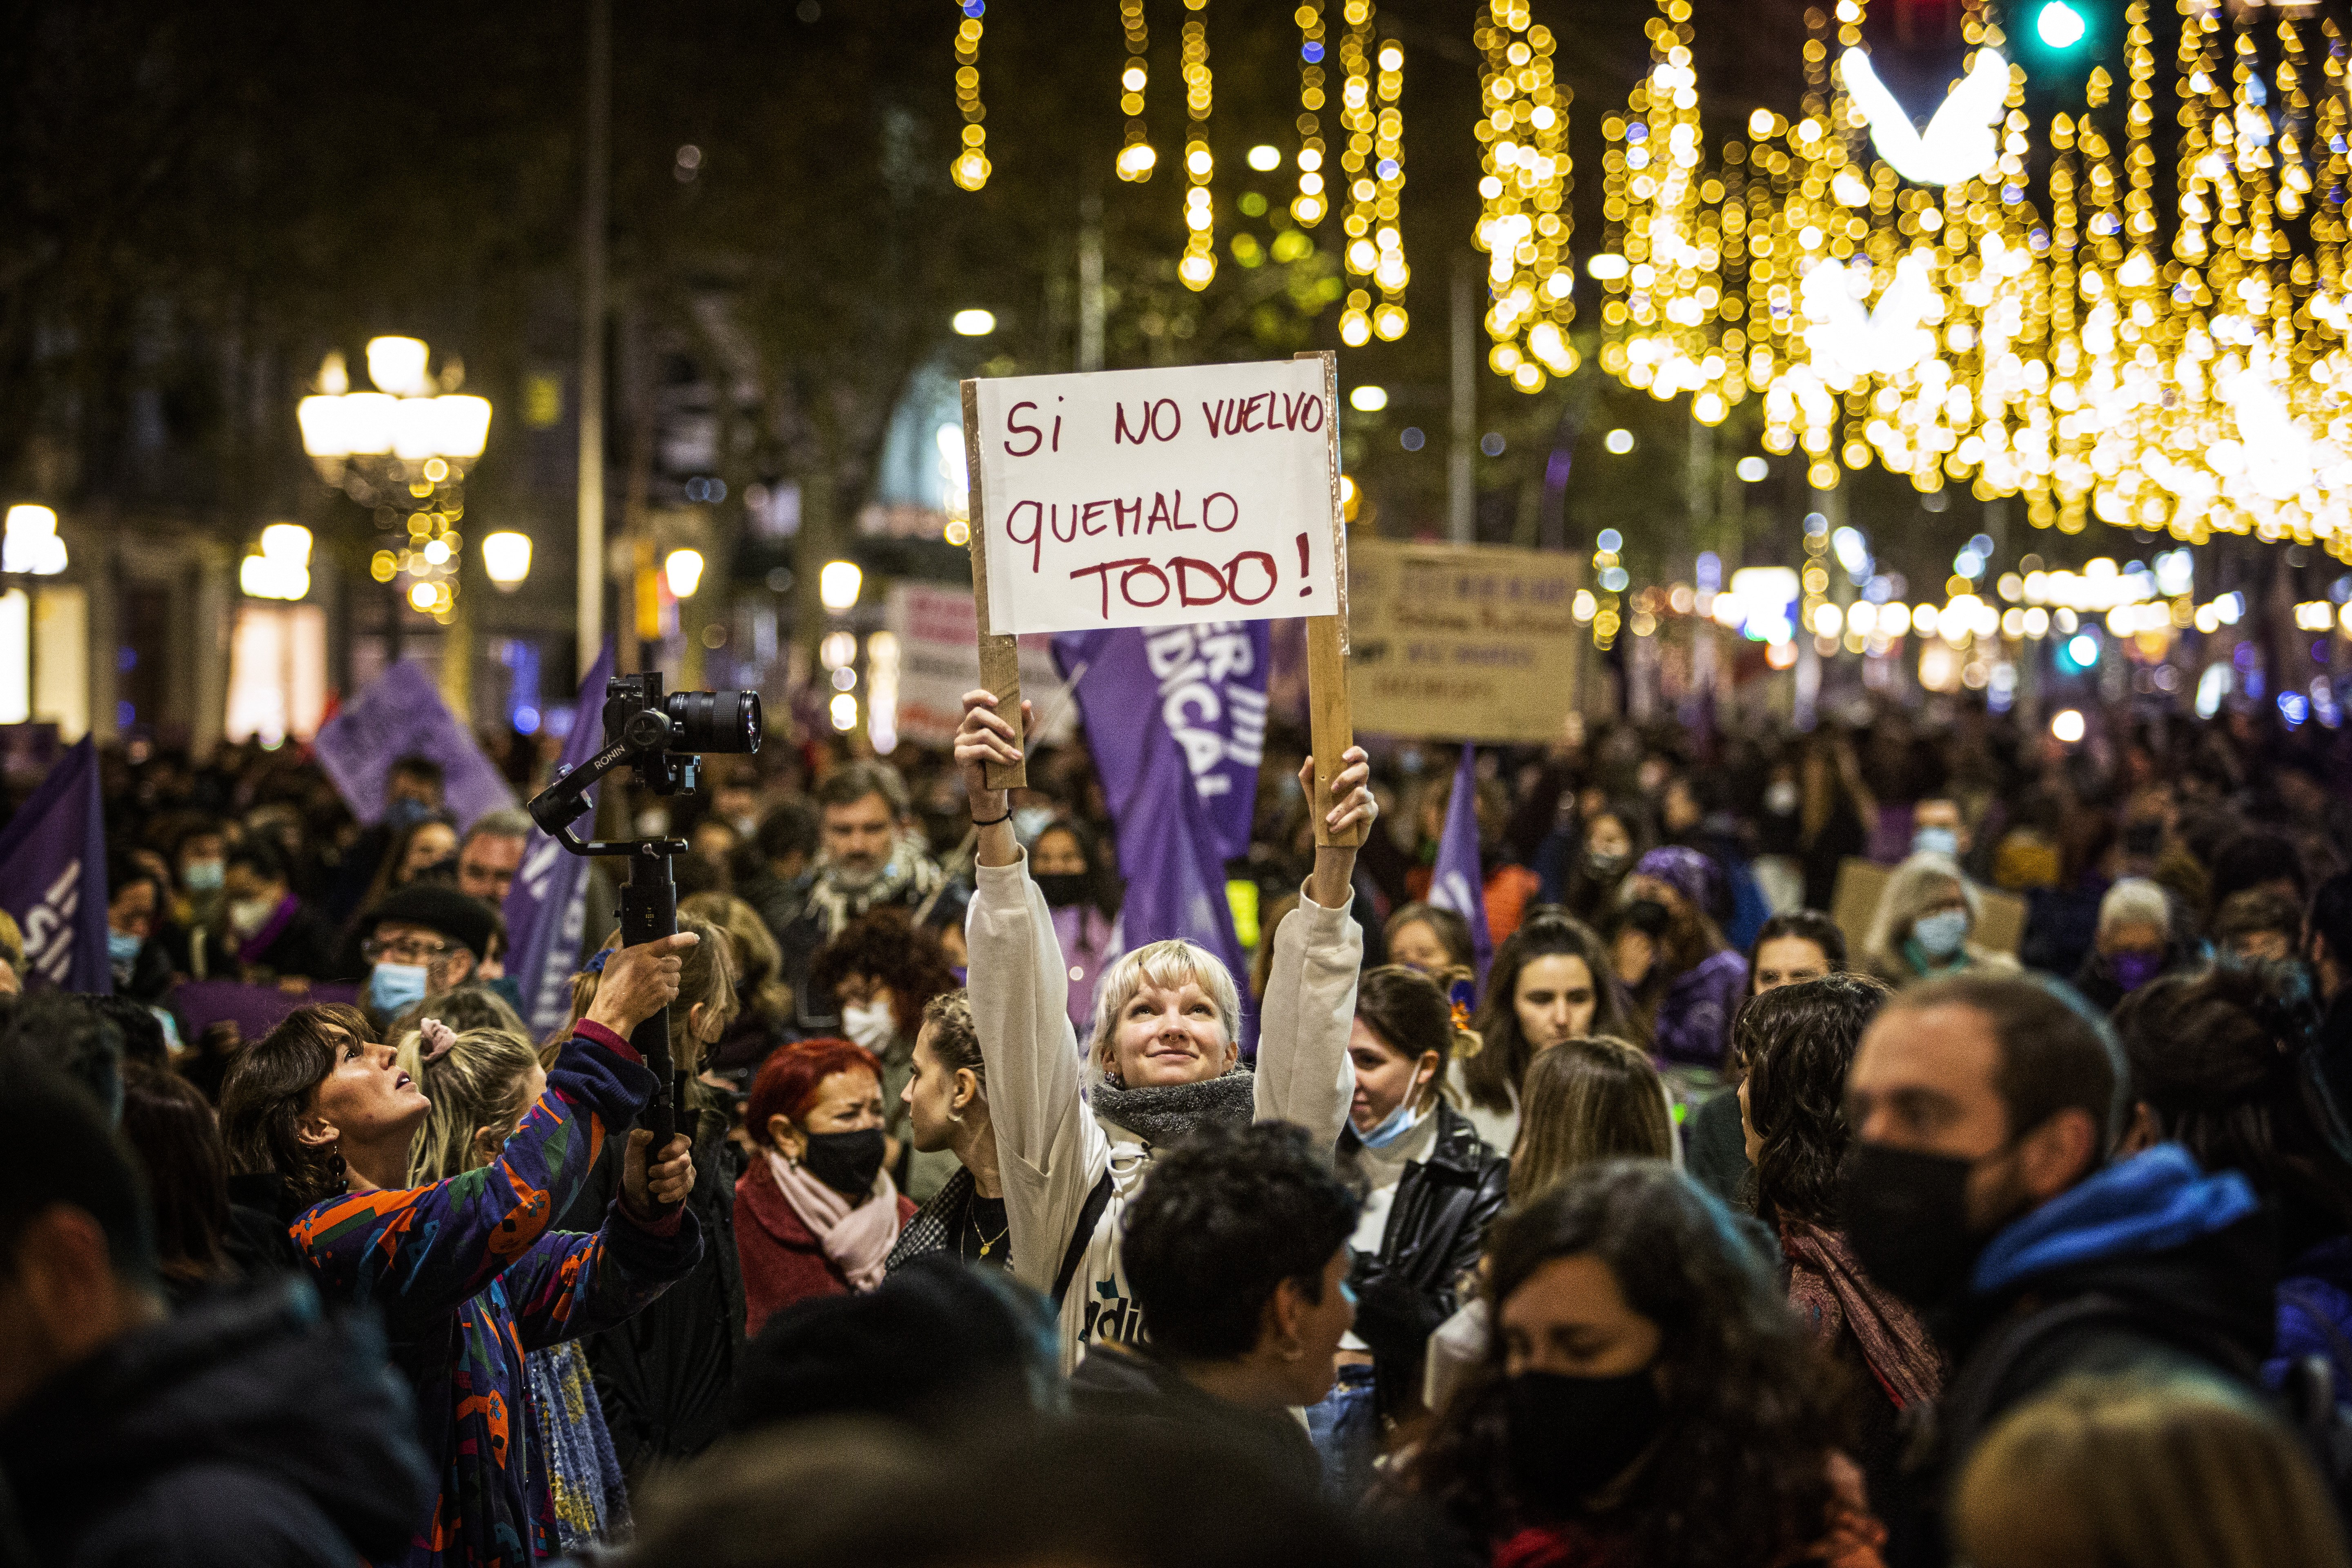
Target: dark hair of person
[
  {"x": 1453, "y": 932},
  {"x": 1797, "y": 1042},
  {"x": 1587, "y": 1100},
  {"x": 789, "y": 829},
  {"x": 395, "y": 855},
  {"x": 937, "y": 1344},
  {"x": 258, "y": 855},
  {"x": 1804, "y": 925},
  {"x": 271, "y": 1085},
  {"x": 170, "y": 1126},
  {"x": 1409, "y": 1013},
  {"x": 888, "y": 947},
  {"x": 123, "y": 868},
  {"x": 2055, "y": 1054},
  {"x": 1224, "y": 1218},
  {"x": 1740, "y": 1470},
  {"x": 2331, "y": 917},
  {"x": 67, "y": 1153},
  {"x": 1494, "y": 1072},
  {"x": 789, "y": 1079},
  {"x": 1102, "y": 886},
  {"x": 2256, "y": 910},
  {"x": 2254, "y": 856},
  {"x": 2218, "y": 1060},
  {"x": 420, "y": 767},
  {"x": 853, "y": 781},
  {"x": 65, "y": 1033},
  {"x": 143, "y": 1043}
]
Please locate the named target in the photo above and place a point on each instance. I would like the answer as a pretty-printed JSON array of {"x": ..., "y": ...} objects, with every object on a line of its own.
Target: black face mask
[
  {"x": 846, "y": 1162},
  {"x": 1905, "y": 1215},
  {"x": 1570, "y": 1436},
  {"x": 1063, "y": 888},
  {"x": 1604, "y": 866}
]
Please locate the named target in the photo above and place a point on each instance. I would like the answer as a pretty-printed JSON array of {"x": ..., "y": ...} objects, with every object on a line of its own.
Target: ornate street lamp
[{"x": 402, "y": 450}]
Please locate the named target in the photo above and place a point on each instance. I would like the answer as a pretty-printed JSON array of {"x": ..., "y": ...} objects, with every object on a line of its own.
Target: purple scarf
[{"x": 251, "y": 950}]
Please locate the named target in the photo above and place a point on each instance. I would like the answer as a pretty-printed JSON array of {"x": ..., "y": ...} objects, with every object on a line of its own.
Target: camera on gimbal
[{"x": 661, "y": 739}]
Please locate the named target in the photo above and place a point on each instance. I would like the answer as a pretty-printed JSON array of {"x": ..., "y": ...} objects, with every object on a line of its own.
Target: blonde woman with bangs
[{"x": 1075, "y": 1134}]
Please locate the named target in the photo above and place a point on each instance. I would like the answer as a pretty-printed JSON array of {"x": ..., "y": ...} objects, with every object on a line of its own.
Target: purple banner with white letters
[
  {"x": 1176, "y": 720},
  {"x": 53, "y": 878},
  {"x": 1206, "y": 685},
  {"x": 1459, "y": 883},
  {"x": 547, "y": 904},
  {"x": 398, "y": 715}
]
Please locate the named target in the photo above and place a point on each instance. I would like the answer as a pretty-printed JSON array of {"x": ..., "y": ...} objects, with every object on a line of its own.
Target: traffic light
[{"x": 2059, "y": 25}]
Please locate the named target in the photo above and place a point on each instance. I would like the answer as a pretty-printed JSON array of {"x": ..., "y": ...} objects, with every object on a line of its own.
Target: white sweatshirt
[{"x": 1050, "y": 1149}]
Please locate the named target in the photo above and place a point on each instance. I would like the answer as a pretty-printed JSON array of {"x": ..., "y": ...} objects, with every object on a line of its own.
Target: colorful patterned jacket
[{"x": 469, "y": 1277}]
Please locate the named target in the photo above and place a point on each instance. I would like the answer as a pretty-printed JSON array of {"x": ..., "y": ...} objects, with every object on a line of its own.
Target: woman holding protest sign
[{"x": 1164, "y": 1056}]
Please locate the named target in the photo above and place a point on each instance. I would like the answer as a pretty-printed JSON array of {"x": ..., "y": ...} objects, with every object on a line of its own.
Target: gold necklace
[{"x": 986, "y": 1243}]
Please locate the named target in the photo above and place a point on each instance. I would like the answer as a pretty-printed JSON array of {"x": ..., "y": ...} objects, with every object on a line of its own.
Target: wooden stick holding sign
[
  {"x": 1331, "y": 726},
  {"x": 1000, "y": 654}
]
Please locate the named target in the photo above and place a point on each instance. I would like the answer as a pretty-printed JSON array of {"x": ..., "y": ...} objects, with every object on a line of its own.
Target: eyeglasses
[{"x": 408, "y": 950}]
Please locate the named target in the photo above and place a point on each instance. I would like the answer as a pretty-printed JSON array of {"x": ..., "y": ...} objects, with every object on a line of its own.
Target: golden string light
[
  {"x": 1311, "y": 204},
  {"x": 1524, "y": 219},
  {"x": 1199, "y": 266},
  {"x": 970, "y": 168},
  {"x": 2021, "y": 330},
  {"x": 1372, "y": 166},
  {"x": 1137, "y": 158}
]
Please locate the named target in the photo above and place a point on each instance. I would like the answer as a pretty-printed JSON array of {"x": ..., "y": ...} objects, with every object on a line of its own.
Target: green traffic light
[{"x": 2060, "y": 25}]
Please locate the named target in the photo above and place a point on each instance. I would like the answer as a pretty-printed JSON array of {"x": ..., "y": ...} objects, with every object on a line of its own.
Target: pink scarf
[{"x": 857, "y": 1241}]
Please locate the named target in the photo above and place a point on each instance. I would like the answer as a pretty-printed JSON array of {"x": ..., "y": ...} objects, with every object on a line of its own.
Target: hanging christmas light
[
  {"x": 1137, "y": 158},
  {"x": 1524, "y": 219},
  {"x": 970, "y": 167},
  {"x": 1199, "y": 267},
  {"x": 1311, "y": 204}
]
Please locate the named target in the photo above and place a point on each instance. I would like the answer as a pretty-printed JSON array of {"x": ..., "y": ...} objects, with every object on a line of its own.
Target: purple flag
[
  {"x": 1458, "y": 883},
  {"x": 53, "y": 878},
  {"x": 1206, "y": 685},
  {"x": 547, "y": 904},
  {"x": 1167, "y": 844},
  {"x": 400, "y": 714}
]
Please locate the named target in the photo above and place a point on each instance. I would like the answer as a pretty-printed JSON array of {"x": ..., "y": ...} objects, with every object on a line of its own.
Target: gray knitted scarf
[{"x": 1163, "y": 1114}]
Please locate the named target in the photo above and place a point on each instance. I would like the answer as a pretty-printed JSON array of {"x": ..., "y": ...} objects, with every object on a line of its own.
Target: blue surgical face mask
[
  {"x": 123, "y": 948},
  {"x": 1942, "y": 934},
  {"x": 1936, "y": 840},
  {"x": 202, "y": 876},
  {"x": 392, "y": 986},
  {"x": 1398, "y": 1123}
]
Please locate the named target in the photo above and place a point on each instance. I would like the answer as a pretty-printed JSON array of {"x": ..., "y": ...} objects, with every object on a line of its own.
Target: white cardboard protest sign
[
  {"x": 1153, "y": 498},
  {"x": 938, "y": 629}
]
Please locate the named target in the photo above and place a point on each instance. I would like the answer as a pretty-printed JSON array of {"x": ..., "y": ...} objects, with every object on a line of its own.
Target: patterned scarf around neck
[
  {"x": 1828, "y": 1288},
  {"x": 1164, "y": 1113}
]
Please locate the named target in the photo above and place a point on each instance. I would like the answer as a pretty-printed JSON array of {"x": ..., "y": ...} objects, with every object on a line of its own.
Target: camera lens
[{"x": 715, "y": 721}]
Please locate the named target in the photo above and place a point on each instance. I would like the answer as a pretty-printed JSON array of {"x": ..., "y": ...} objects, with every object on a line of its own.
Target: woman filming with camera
[{"x": 467, "y": 1272}]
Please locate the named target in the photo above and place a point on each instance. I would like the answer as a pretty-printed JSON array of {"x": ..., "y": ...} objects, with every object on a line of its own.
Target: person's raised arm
[
  {"x": 420, "y": 1252},
  {"x": 1303, "y": 1072},
  {"x": 1048, "y": 1148}
]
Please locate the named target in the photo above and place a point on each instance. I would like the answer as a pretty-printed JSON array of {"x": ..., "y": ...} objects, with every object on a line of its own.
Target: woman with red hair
[{"x": 818, "y": 1212}]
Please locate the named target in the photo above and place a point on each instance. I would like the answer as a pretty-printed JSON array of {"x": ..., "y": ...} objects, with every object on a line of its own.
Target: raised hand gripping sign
[{"x": 1153, "y": 498}]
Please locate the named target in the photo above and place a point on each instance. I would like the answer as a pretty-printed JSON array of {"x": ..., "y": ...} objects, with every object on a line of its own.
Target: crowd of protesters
[{"x": 1889, "y": 1144}]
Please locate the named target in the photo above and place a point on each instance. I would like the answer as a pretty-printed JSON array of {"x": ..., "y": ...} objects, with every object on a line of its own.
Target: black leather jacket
[{"x": 1436, "y": 1230}]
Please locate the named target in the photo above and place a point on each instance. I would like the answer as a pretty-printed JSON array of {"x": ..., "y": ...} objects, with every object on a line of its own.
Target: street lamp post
[{"x": 401, "y": 450}]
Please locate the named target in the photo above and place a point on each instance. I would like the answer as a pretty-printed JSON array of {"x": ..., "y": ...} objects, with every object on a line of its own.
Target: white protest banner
[
  {"x": 938, "y": 629},
  {"x": 1153, "y": 498}
]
